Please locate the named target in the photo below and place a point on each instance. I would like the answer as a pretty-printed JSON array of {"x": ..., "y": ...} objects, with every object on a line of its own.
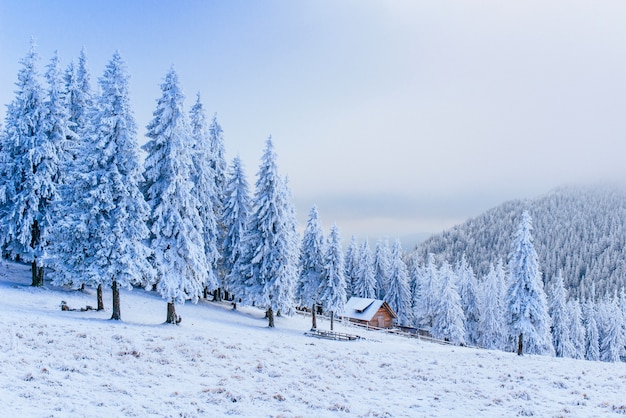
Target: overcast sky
[{"x": 395, "y": 117}]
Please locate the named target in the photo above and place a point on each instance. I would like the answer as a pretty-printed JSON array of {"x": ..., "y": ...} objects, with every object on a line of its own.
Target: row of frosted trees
[{"x": 76, "y": 201}]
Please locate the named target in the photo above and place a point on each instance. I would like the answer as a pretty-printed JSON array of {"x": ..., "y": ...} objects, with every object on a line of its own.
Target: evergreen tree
[
  {"x": 267, "y": 265},
  {"x": 311, "y": 265},
  {"x": 352, "y": 264},
  {"x": 398, "y": 294},
  {"x": 592, "y": 335},
  {"x": 29, "y": 167},
  {"x": 557, "y": 308},
  {"x": 234, "y": 218},
  {"x": 576, "y": 329},
  {"x": 365, "y": 284},
  {"x": 381, "y": 268},
  {"x": 491, "y": 332},
  {"x": 429, "y": 291},
  {"x": 175, "y": 224},
  {"x": 116, "y": 213},
  {"x": 527, "y": 311},
  {"x": 612, "y": 334},
  {"x": 468, "y": 287},
  {"x": 448, "y": 320},
  {"x": 205, "y": 191},
  {"x": 333, "y": 282}
]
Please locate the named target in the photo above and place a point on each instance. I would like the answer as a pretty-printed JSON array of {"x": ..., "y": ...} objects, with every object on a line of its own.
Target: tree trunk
[
  {"x": 313, "y": 318},
  {"x": 270, "y": 316},
  {"x": 116, "y": 302},
  {"x": 205, "y": 292},
  {"x": 520, "y": 344},
  {"x": 172, "y": 318},
  {"x": 99, "y": 297},
  {"x": 332, "y": 320},
  {"x": 37, "y": 274},
  {"x": 217, "y": 295}
]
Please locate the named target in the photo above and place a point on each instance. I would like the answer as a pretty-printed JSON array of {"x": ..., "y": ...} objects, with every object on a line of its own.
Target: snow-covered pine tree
[
  {"x": 29, "y": 169},
  {"x": 311, "y": 265},
  {"x": 175, "y": 224},
  {"x": 559, "y": 314},
  {"x": 592, "y": 334},
  {"x": 576, "y": 329},
  {"x": 526, "y": 305},
  {"x": 448, "y": 320},
  {"x": 612, "y": 330},
  {"x": 333, "y": 281},
  {"x": 381, "y": 267},
  {"x": 398, "y": 294},
  {"x": 491, "y": 331},
  {"x": 220, "y": 167},
  {"x": 234, "y": 218},
  {"x": 364, "y": 285},
  {"x": 351, "y": 262},
  {"x": 415, "y": 280},
  {"x": 112, "y": 212},
  {"x": 267, "y": 265},
  {"x": 205, "y": 191},
  {"x": 468, "y": 288},
  {"x": 429, "y": 290}
]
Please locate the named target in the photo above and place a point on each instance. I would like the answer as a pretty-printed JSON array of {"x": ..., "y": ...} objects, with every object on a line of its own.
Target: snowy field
[{"x": 220, "y": 362}]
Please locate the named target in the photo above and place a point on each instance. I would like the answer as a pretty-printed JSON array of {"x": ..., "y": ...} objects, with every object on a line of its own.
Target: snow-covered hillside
[{"x": 220, "y": 362}]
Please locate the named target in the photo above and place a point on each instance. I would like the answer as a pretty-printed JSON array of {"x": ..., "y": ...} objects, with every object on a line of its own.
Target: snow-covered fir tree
[
  {"x": 351, "y": 262},
  {"x": 381, "y": 267},
  {"x": 267, "y": 266},
  {"x": 398, "y": 294},
  {"x": 333, "y": 281},
  {"x": 175, "y": 224},
  {"x": 448, "y": 320},
  {"x": 29, "y": 169},
  {"x": 205, "y": 191},
  {"x": 526, "y": 305},
  {"x": 611, "y": 329},
  {"x": 559, "y": 314},
  {"x": 468, "y": 288},
  {"x": 113, "y": 213},
  {"x": 576, "y": 328},
  {"x": 235, "y": 218},
  {"x": 364, "y": 284},
  {"x": 592, "y": 334},
  {"x": 311, "y": 265},
  {"x": 491, "y": 329},
  {"x": 429, "y": 291},
  {"x": 219, "y": 166}
]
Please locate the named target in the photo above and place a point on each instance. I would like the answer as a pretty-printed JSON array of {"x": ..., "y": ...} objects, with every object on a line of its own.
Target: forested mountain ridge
[{"x": 579, "y": 230}]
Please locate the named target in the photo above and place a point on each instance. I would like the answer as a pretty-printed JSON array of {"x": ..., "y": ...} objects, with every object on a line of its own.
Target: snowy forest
[{"x": 79, "y": 204}]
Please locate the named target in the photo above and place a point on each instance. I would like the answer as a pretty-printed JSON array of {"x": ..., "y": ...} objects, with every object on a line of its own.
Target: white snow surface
[{"x": 220, "y": 362}]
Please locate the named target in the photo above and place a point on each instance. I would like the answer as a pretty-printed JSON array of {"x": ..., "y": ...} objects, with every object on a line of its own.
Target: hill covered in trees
[{"x": 580, "y": 231}]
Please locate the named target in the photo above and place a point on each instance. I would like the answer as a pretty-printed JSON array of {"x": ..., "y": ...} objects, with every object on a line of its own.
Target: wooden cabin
[{"x": 371, "y": 312}]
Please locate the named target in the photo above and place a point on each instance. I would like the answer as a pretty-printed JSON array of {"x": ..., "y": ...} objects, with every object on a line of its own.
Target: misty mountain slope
[{"x": 581, "y": 230}]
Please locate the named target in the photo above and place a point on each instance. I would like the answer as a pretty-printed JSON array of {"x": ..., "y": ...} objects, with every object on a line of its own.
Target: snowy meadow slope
[{"x": 220, "y": 362}]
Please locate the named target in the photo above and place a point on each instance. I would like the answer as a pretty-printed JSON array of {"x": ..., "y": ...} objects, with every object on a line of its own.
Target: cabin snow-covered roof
[{"x": 363, "y": 309}]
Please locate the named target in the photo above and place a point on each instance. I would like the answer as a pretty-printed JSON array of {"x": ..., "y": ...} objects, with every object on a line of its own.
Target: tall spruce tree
[
  {"x": 267, "y": 266},
  {"x": 234, "y": 218},
  {"x": 559, "y": 314},
  {"x": 527, "y": 310},
  {"x": 333, "y": 281},
  {"x": 448, "y": 320},
  {"x": 398, "y": 294},
  {"x": 365, "y": 284},
  {"x": 491, "y": 325},
  {"x": 351, "y": 262},
  {"x": 29, "y": 166},
  {"x": 381, "y": 267},
  {"x": 592, "y": 334},
  {"x": 576, "y": 329},
  {"x": 311, "y": 265},
  {"x": 175, "y": 224},
  {"x": 468, "y": 288},
  {"x": 116, "y": 224},
  {"x": 429, "y": 290},
  {"x": 205, "y": 191}
]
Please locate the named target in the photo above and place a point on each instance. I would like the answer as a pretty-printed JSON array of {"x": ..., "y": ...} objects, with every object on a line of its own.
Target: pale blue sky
[{"x": 395, "y": 117}]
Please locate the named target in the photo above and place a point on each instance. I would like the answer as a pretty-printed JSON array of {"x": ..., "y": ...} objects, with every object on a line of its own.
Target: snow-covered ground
[{"x": 220, "y": 362}]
